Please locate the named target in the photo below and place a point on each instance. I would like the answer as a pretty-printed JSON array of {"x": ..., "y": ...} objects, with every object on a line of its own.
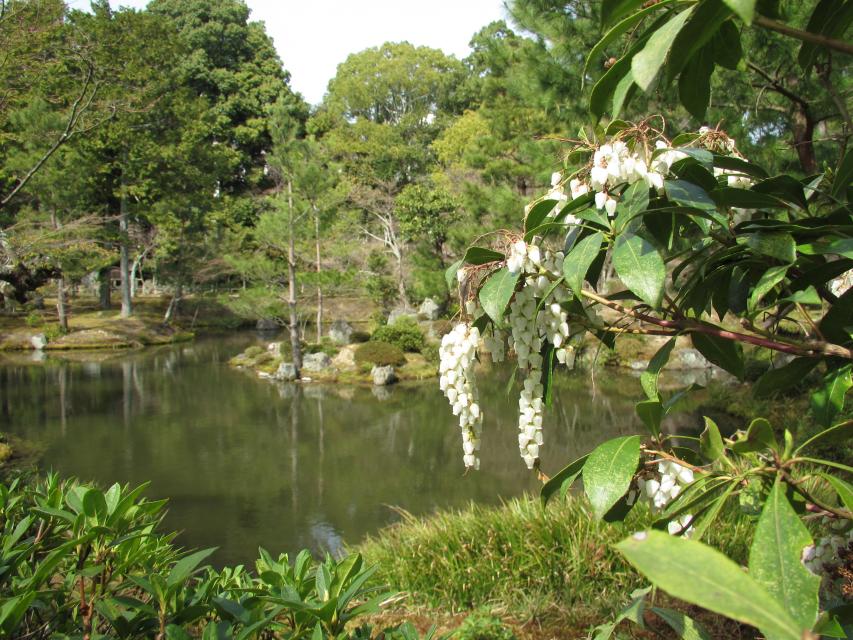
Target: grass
[{"x": 552, "y": 568}]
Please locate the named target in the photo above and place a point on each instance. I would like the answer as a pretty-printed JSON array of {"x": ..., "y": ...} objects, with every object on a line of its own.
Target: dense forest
[{"x": 167, "y": 148}]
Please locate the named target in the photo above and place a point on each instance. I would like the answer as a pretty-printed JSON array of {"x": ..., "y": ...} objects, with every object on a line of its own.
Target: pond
[{"x": 247, "y": 463}]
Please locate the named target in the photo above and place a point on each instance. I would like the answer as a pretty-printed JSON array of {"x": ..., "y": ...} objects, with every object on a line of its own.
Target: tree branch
[{"x": 805, "y": 36}]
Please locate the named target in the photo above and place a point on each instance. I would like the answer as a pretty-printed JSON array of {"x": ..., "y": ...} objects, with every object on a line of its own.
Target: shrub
[
  {"x": 360, "y": 336},
  {"x": 53, "y": 331},
  {"x": 105, "y": 545},
  {"x": 34, "y": 319},
  {"x": 481, "y": 625},
  {"x": 404, "y": 333},
  {"x": 430, "y": 353},
  {"x": 379, "y": 353},
  {"x": 253, "y": 351}
]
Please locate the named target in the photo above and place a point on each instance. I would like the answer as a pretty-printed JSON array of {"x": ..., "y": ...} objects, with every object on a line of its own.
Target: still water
[{"x": 246, "y": 462}]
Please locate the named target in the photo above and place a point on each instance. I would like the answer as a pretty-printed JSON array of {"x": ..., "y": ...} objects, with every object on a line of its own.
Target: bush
[
  {"x": 430, "y": 353},
  {"x": 53, "y": 331},
  {"x": 34, "y": 319},
  {"x": 380, "y": 354},
  {"x": 404, "y": 333},
  {"x": 481, "y": 625},
  {"x": 105, "y": 546}
]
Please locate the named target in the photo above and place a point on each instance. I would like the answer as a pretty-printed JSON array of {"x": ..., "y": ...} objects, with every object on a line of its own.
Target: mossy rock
[{"x": 5, "y": 452}]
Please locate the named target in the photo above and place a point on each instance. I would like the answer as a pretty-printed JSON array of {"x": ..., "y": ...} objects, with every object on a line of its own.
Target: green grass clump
[
  {"x": 404, "y": 333},
  {"x": 253, "y": 352},
  {"x": 521, "y": 558},
  {"x": 379, "y": 353}
]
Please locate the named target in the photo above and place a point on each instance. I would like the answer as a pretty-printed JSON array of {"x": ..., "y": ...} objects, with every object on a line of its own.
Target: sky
[{"x": 313, "y": 36}]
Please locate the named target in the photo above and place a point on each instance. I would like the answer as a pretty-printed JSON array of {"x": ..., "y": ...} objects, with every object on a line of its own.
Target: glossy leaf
[
  {"x": 783, "y": 378},
  {"x": 649, "y": 377},
  {"x": 827, "y": 402},
  {"x": 651, "y": 413},
  {"x": 184, "y": 567},
  {"x": 775, "y": 558},
  {"x": 496, "y": 293},
  {"x": 481, "y": 255},
  {"x": 745, "y": 9},
  {"x": 563, "y": 479},
  {"x": 579, "y": 260},
  {"x": 843, "y": 489},
  {"x": 726, "y": 354},
  {"x": 537, "y": 214},
  {"x": 640, "y": 267},
  {"x": 608, "y": 472},
  {"x": 701, "y": 575},
  {"x": 710, "y": 441},
  {"x": 646, "y": 65},
  {"x": 689, "y": 195},
  {"x": 684, "y": 626},
  {"x": 765, "y": 284}
]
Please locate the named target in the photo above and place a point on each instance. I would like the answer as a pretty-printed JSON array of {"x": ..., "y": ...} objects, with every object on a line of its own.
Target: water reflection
[{"x": 248, "y": 463}]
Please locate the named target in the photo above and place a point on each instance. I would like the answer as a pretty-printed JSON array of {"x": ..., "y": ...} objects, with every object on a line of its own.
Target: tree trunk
[
  {"x": 60, "y": 289},
  {"x": 291, "y": 276},
  {"x": 61, "y": 305},
  {"x": 401, "y": 282},
  {"x": 319, "y": 269},
  {"x": 104, "y": 288},
  {"x": 124, "y": 259},
  {"x": 172, "y": 309},
  {"x": 803, "y": 130}
]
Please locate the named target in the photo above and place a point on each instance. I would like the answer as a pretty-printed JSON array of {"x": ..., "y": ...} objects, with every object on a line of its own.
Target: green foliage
[
  {"x": 481, "y": 625},
  {"x": 34, "y": 319},
  {"x": 404, "y": 333},
  {"x": 95, "y": 563},
  {"x": 380, "y": 354}
]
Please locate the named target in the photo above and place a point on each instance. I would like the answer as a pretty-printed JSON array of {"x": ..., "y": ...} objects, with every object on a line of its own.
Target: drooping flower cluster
[
  {"x": 457, "y": 354},
  {"x": 664, "y": 487}
]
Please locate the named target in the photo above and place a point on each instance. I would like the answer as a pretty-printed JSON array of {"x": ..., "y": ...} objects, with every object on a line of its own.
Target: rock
[
  {"x": 383, "y": 375},
  {"x": 345, "y": 358},
  {"x": 274, "y": 348},
  {"x": 286, "y": 371},
  {"x": 340, "y": 332},
  {"x": 267, "y": 324},
  {"x": 316, "y": 361},
  {"x": 429, "y": 309},
  {"x": 401, "y": 312},
  {"x": 39, "y": 341},
  {"x": 639, "y": 365},
  {"x": 692, "y": 359}
]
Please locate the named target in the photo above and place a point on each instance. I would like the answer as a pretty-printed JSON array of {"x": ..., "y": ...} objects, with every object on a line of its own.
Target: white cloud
[{"x": 313, "y": 36}]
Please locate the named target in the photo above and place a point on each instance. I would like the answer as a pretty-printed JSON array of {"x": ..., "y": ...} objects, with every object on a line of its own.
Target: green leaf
[
  {"x": 728, "y": 51},
  {"x": 694, "y": 83},
  {"x": 684, "y": 626},
  {"x": 482, "y": 255},
  {"x": 835, "y": 325},
  {"x": 537, "y": 214},
  {"x": 765, "y": 284},
  {"x": 745, "y": 199},
  {"x": 634, "y": 201},
  {"x": 563, "y": 479},
  {"x": 726, "y": 354},
  {"x": 612, "y": 10},
  {"x": 646, "y": 65},
  {"x": 703, "y": 576},
  {"x": 760, "y": 435},
  {"x": 689, "y": 195},
  {"x": 608, "y": 471},
  {"x": 649, "y": 377},
  {"x": 579, "y": 260},
  {"x": 775, "y": 245},
  {"x": 496, "y": 293},
  {"x": 185, "y": 566},
  {"x": 710, "y": 441},
  {"x": 94, "y": 503},
  {"x": 828, "y": 402},
  {"x": 836, "y": 433},
  {"x": 616, "y": 31},
  {"x": 783, "y": 378},
  {"x": 844, "y": 175},
  {"x": 174, "y": 632},
  {"x": 450, "y": 274},
  {"x": 745, "y": 9},
  {"x": 775, "y": 558},
  {"x": 651, "y": 413},
  {"x": 842, "y": 488},
  {"x": 640, "y": 267}
]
